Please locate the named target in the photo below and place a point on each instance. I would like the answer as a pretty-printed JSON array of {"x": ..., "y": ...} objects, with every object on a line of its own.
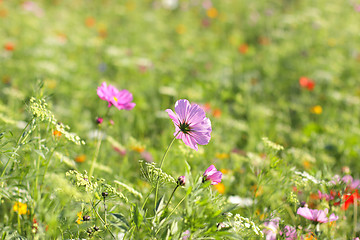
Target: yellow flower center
[{"x": 115, "y": 98}]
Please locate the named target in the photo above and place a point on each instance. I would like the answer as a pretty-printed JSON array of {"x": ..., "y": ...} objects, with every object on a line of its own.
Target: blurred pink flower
[
  {"x": 191, "y": 124},
  {"x": 213, "y": 175},
  {"x": 33, "y": 7},
  {"x": 120, "y": 99},
  {"x": 271, "y": 228},
  {"x": 289, "y": 232},
  {"x": 316, "y": 215}
]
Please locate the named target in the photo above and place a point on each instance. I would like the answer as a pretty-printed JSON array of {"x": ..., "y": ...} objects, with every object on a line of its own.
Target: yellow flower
[
  {"x": 224, "y": 171},
  {"x": 19, "y": 207},
  {"x": 222, "y": 155},
  {"x": 180, "y": 29},
  {"x": 79, "y": 220},
  {"x": 220, "y": 188},
  {"x": 212, "y": 12},
  {"x": 307, "y": 164},
  {"x": 138, "y": 149},
  {"x": 316, "y": 109}
]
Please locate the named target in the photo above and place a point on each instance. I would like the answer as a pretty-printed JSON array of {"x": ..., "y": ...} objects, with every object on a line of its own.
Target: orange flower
[
  {"x": 307, "y": 83},
  {"x": 224, "y": 171},
  {"x": 90, "y": 22},
  {"x": 217, "y": 113},
  {"x": 138, "y": 149},
  {"x": 243, "y": 48},
  {"x": 3, "y": 12},
  {"x": 57, "y": 133},
  {"x": 212, "y": 12},
  {"x": 81, "y": 158},
  {"x": 307, "y": 165},
  {"x": 9, "y": 46},
  {"x": 220, "y": 188}
]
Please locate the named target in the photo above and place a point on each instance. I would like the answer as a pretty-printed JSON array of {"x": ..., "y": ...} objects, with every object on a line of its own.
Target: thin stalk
[
  {"x": 147, "y": 197},
  {"x": 355, "y": 214},
  {"x": 96, "y": 154},
  {"x": 172, "y": 211},
  {"x": 161, "y": 163},
  {"x": 103, "y": 222},
  {"x": 47, "y": 162},
  {"x": 17, "y": 146},
  {"x": 37, "y": 168},
  {"x": 172, "y": 194}
]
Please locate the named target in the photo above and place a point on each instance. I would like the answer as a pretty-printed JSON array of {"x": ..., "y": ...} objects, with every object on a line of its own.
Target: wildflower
[
  {"x": 216, "y": 113},
  {"x": 213, "y": 175},
  {"x": 32, "y": 7},
  {"x": 350, "y": 199},
  {"x": 220, "y": 188},
  {"x": 190, "y": 122},
  {"x": 79, "y": 220},
  {"x": 181, "y": 181},
  {"x": 120, "y": 99},
  {"x": 57, "y": 133},
  {"x": 289, "y": 232},
  {"x": 147, "y": 156},
  {"x": 180, "y": 29},
  {"x": 222, "y": 155},
  {"x": 271, "y": 229},
  {"x": 243, "y": 48},
  {"x": 186, "y": 235},
  {"x": 316, "y": 109},
  {"x": 99, "y": 120},
  {"x": 212, "y": 12},
  {"x": 316, "y": 215},
  {"x": 307, "y": 83},
  {"x": 20, "y": 208},
  {"x": 90, "y": 22},
  {"x": 81, "y": 158},
  {"x": 9, "y": 46}
]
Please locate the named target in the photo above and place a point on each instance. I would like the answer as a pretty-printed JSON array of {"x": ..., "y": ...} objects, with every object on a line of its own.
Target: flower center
[
  {"x": 184, "y": 127},
  {"x": 115, "y": 98}
]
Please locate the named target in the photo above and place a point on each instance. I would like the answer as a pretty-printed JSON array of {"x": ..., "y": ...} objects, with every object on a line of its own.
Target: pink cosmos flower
[
  {"x": 120, "y": 99},
  {"x": 271, "y": 228},
  {"x": 191, "y": 124},
  {"x": 213, "y": 175},
  {"x": 289, "y": 232},
  {"x": 316, "y": 215}
]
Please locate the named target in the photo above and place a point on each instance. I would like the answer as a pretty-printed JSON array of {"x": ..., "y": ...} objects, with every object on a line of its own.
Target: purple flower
[
  {"x": 271, "y": 228},
  {"x": 213, "y": 175},
  {"x": 289, "y": 232},
  {"x": 120, "y": 99},
  {"x": 316, "y": 215},
  {"x": 181, "y": 181},
  {"x": 191, "y": 124}
]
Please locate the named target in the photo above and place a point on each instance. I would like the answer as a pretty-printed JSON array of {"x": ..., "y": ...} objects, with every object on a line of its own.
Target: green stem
[
  {"x": 103, "y": 222},
  {"x": 48, "y": 162},
  {"x": 17, "y": 146},
  {"x": 97, "y": 150},
  {"x": 172, "y": 211},
  {"x": 172, "y": 194},
  {"x": 147, "y": 197},
  {"x": 37, "y": 168},
  {"x": 161, "y": 163}
]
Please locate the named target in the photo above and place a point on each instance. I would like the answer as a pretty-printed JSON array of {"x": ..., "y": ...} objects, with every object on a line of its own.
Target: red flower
[
  {"x": 350, "y": 199},
  {"x": 307, "y": 83},
  {"x": 9, "y": 46}
]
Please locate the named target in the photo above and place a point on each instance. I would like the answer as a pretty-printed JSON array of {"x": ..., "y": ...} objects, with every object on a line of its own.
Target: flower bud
[
  {"x": 105, "y": 194},
  {"x": 96, "y": 228},
  {"x": 181, "y": 181},
  {"x": 99, "y": 120},
  {"x": 86, "y": 218}
]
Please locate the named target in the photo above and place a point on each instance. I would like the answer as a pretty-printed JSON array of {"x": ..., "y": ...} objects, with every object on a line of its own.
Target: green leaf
[
  {"x": 121, "y": 218},
  {"x": 137, "y": 216}
]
